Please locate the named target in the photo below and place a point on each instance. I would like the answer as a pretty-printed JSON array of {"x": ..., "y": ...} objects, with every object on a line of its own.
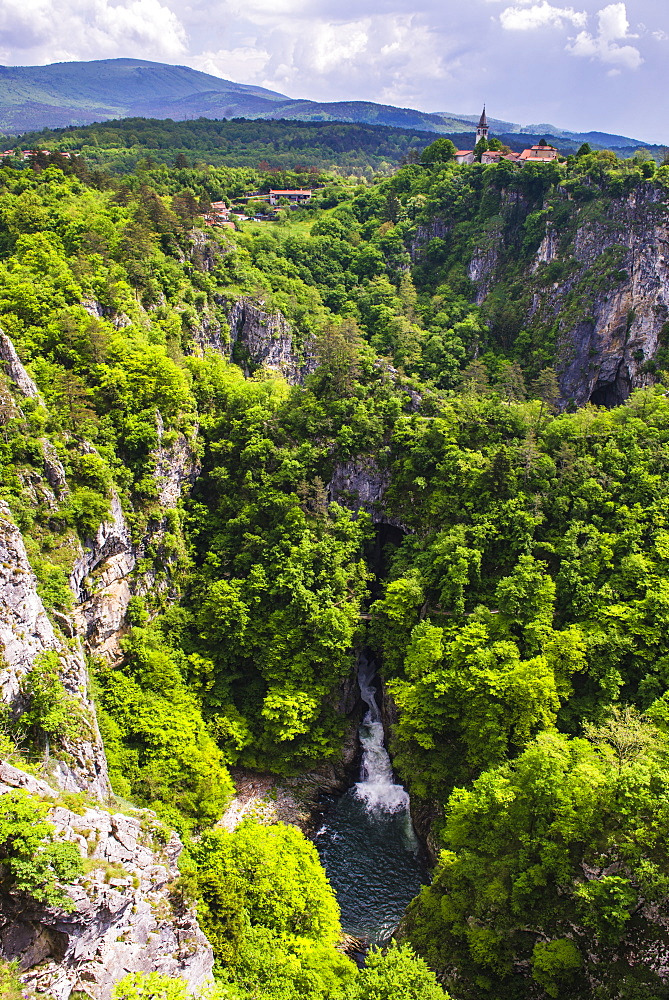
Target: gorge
[
  {"x": 366, "y": 841},
  {"x": 425, "y": 418}
]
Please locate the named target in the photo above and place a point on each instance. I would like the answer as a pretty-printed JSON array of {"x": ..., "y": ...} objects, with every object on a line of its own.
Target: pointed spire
[{"x": 482, "y": 130}]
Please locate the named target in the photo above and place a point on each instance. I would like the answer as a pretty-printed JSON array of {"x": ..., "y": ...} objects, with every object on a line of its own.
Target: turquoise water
[{"x": 366, "y": 842}]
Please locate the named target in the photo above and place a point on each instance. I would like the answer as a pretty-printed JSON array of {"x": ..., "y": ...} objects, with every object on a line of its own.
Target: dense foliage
[
  {"x": 546, "y": 862},
  {"x": 343, "y": 147},
  {"x": 519, "y": 608},
  {"x": 33, "y": 864},
  {"x": 396, "y": 975}
]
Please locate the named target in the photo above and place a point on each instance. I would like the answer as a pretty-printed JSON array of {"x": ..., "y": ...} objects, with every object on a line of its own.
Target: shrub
[{"x": 31, "y": 861}]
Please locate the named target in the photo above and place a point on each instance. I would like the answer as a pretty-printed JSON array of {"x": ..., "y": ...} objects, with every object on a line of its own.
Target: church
[{"x": 543, "y": 153}]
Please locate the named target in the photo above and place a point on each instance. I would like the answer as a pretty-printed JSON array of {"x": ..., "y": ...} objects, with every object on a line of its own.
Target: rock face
[
  {"x": 612, "y": 307},
  {"x": 103, "y": 577},
  {"x": 253, "y": 338},
  {"x": 15, "y": 369},
  {"x": 124, "y": 918},
  {"x": 25, "y": 629},
  {"x": 259, "y": 338},
  {"x": 99, "y": 581},
  {"x": 360, "y": 484},
  {"x": 484, "y": 261},
  {"x": 436, "y": 229},
  {"x": 605, "y": 353},
  {"x": 25, "y": 633}
]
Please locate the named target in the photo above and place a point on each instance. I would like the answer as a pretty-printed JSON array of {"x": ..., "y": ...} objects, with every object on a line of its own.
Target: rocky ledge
[{"x": 128, "y": 915}]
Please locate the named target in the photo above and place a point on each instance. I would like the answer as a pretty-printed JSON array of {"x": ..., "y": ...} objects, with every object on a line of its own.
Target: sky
[{"x": 591, "y": 66}]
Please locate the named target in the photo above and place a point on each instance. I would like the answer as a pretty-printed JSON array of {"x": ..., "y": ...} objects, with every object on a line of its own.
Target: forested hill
[
  {"x": 76, "y": 93},
  {"x": 427, "y": 416},
  {"x": 346, "y": 148}
]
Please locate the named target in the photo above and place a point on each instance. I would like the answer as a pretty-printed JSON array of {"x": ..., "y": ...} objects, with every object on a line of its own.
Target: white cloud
[
  {"x": 242, "y": 63},
  {"x": 393, "y": 56},
  {"x": 430, "y": 54},
  {"x": 613, "y": 28},
  {"x": 540, "y": 15},
  {"x": 89, "y": 29}
]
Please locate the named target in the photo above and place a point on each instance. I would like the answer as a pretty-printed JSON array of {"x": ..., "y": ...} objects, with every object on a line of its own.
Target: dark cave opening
[
  {"x": 387, "y": 538},
  {"x": 610, "y": 394}
]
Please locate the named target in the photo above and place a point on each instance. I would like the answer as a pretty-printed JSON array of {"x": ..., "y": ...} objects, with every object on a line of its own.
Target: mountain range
[{"x": 78, "y": 93}]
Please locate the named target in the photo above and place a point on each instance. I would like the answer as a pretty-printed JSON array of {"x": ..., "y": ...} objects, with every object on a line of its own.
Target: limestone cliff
[
  {"x": 106, "y": 574},
  {"x": 261, "y": 338},
  {"x": 598, "y": 286},
  {"x": 608, "y": 348},
  {"x": 26, "y": 632},
  {"x": 126, "y": 917}
]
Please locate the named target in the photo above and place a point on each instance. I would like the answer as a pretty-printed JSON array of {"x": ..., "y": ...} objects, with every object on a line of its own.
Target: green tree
[
  {"x": 480, "y": 148},
  {"x": 150, "y": 986},
  {"x": 438, "y": 152},
  {"x": 338, "y": 350},
  {"x": 278, "y": 876},
  {"x": 546, "y": 388},
  {"x": 547, "y": 864},
  {"x": 51, "y": 714},
  {"x": 396, "y": 974},
  {"x": 32, "y": 862}
]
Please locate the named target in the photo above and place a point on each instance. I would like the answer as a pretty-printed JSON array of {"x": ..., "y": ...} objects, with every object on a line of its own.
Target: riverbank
[{"x": 270, "y": 798}]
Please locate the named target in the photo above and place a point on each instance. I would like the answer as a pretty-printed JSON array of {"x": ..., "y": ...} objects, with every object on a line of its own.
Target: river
[{"x": 366, "y": 842}]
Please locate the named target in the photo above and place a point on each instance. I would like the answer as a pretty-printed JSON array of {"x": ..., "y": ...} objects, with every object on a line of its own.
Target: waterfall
[
  {"x": 377, "y": 787},
  {"x": 367, "y": 841}
]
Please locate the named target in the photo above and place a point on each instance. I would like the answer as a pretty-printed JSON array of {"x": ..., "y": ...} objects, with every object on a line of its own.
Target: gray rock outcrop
[
  {"x": 435, "y": 229},
  {"x": 25, "y": 629},
  {"x": 266, "y": 339},
  {"x": 125, "y": 918},
  {"x": 484, "y": 260},
  {"x": 15, "y": 370},
  {"x": 361, "y": 484},
  {"x": 609, "y": 303},
  {"x": 604, "y": 354},
  {"x": 104, "y": 577},
  {"x": 26, "y": 632}
]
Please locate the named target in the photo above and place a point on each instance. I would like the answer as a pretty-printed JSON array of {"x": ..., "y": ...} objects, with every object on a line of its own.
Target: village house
[
  {"x": 542, "y": 153},
  {"x": 296, "y": 196},
  {"x": 28, "y": 154},
  {"x": 219, "y": 215}
]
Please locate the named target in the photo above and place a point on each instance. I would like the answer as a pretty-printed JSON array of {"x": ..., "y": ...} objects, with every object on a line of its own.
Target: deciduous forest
[{"x": 369, "y": 423}]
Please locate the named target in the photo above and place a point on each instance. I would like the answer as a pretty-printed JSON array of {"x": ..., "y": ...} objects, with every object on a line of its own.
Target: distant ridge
[{"x": 79, "y": 93}]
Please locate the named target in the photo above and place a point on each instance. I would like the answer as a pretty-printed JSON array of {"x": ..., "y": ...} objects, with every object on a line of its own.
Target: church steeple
[{"x": 482, "y": 130}]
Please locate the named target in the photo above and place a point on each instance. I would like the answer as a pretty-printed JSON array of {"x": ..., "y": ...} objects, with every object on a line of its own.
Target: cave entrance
[
  {"x": 610, "y": 394},
  {"x": 379, "y": 552}
]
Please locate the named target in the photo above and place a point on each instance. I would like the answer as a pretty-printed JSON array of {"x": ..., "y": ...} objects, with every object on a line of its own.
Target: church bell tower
[{"x": 482, "y": 130}]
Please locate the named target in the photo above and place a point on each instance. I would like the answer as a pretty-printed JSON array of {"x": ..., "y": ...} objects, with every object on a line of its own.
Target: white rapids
[
  {"x": 367, "y": 841},
  {"x": 377, "y": 786}
]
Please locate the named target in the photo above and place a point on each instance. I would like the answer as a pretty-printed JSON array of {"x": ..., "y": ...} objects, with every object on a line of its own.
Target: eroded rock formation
[
  {"x": 609, "y": 302},
  {"x": 128, "y": 915},
  {"x": 261, "y": 338}
]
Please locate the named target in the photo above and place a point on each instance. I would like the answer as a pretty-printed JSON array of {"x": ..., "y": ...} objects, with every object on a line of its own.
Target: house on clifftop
[{"x": 541, "y": 153}]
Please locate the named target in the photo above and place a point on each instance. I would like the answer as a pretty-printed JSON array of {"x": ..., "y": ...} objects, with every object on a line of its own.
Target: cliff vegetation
[{"x": 427, "y": 415}]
